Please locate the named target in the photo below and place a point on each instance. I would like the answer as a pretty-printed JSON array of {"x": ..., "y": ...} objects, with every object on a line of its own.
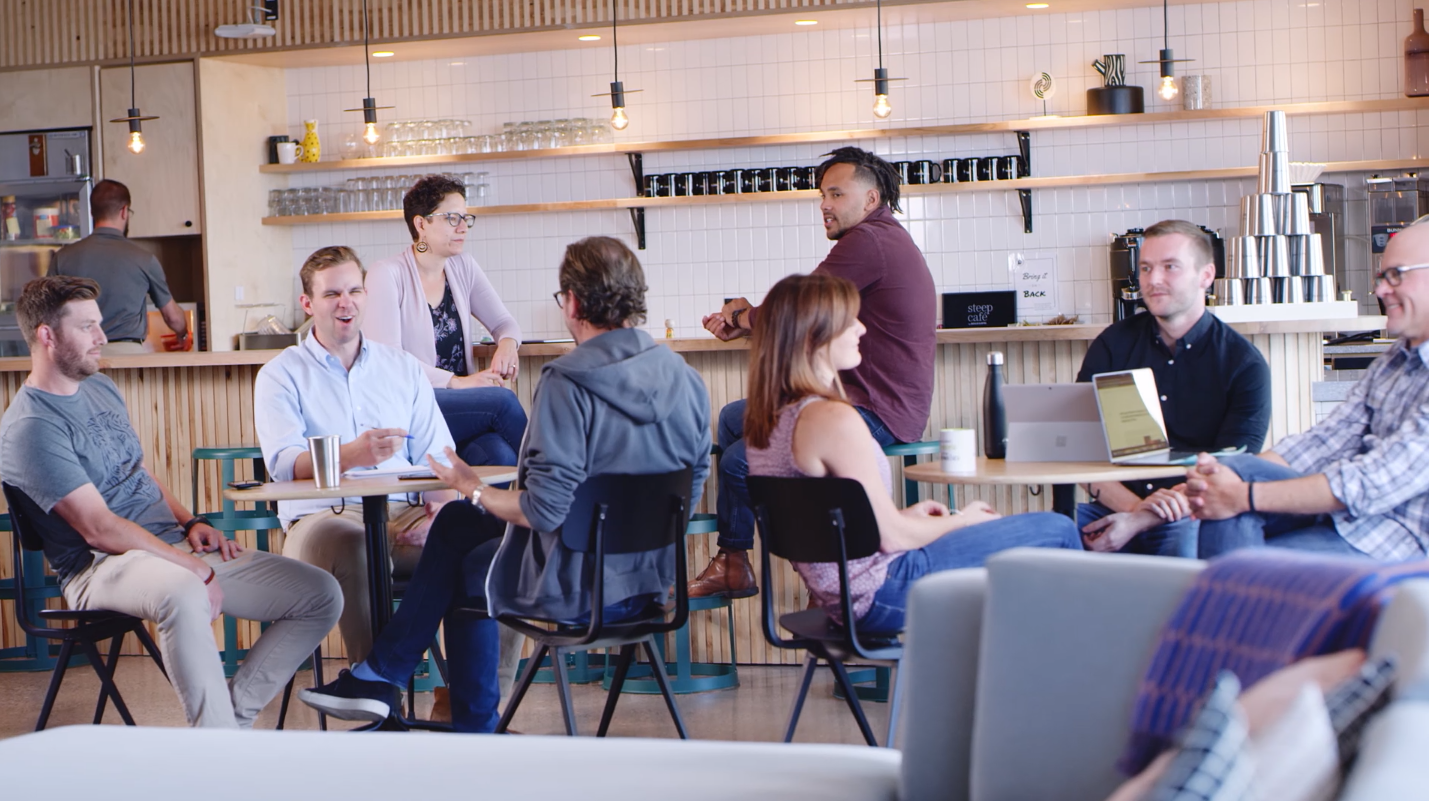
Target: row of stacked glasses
[
  {"x": 368, "y": 193},
  {"x": 454, "y": 137}
]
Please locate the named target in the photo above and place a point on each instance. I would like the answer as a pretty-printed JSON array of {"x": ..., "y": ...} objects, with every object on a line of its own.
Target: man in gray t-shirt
[
  {"x": 125, "y": 272},
  {"x": 114, "y": 534}
]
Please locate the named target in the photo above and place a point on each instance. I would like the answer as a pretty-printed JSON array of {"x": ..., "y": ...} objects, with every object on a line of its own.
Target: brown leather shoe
[
  {"x": 441, "y": 705},
  {"x": 728, "y": 575}
]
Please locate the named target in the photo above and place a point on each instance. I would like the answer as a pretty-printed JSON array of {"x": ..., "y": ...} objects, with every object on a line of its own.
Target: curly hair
[
  {"x": 866, "y": 167},
  {"x": 425, "y": 195},
  {"x": 607, "y": 280}
]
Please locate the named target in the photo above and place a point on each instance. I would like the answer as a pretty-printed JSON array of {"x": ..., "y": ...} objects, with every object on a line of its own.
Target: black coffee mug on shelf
[
  {"x": 654, "y": 185},
  {"x": 680, "y": 182},
  {"x": 698, "y": 185},
  {"x": 808, "y": 178},
  {"x": 784, "y": 178},
  {"x": 667, "y": 184},
  {"x": 987, "y": 168},
  {"x": 950, "y": 171},
  {"x": 924, "y": 172},
  {"x": 904, "y": 169},
  {"x": 719, "y": 182},
  {"x": 967, "y": 170},
  {"x": 1009, "y": 167}
]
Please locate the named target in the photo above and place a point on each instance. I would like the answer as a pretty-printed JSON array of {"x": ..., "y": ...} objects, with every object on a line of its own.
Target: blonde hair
[{"x": 800, "y": 317}]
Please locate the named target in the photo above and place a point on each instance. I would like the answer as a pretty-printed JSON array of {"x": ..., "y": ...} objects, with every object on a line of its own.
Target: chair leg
[
  {"x": 528, "y": 676},
  {"x": 287, "y": 697},
  {"x": 627, "y": 655},
  {"x": 810, "y": 662},
  {"x": 657, "y": 664},
  {"x": 318, "y": 681},
  {"x": 151, "y": 647},
  {"x": 895, "y": 699},
  {"x": 106, "y": 680},
  {"x": 114, "y": 643},
  {"x": 56, "y": 678},
  {"x": 439, "y": 660},
  {"x": 563, "y": 685},
  {"x": 851, "y": 696},
  {"x": 412, "y": 697}
]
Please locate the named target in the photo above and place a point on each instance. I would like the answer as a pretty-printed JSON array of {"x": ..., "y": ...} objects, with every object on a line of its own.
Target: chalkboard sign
[{"x": 979, "y": 309}]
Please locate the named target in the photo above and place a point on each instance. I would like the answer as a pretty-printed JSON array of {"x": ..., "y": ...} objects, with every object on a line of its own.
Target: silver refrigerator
[{"x": 44, "y": 205}]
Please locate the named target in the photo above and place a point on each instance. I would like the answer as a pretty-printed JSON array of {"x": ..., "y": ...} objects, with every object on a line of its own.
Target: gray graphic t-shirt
[{"x": 51, "y": 445}]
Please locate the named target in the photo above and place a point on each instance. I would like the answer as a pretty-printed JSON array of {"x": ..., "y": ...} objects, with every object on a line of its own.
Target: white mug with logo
[
  {"x": 958, "y": 450},
  {"x": 289, "y": 152}
]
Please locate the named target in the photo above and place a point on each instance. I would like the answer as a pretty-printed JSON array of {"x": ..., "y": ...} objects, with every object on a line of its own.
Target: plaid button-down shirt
[{"x": 1374, "y": 449}]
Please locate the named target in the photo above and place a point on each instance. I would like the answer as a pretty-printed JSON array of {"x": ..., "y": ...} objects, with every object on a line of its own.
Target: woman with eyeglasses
[{"x": 422, "y": 301}]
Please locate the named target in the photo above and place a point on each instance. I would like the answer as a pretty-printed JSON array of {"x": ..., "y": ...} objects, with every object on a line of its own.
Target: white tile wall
[{"x": 1256, "y": 52}]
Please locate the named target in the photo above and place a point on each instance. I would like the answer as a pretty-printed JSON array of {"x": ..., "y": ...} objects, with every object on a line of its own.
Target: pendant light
[
  {"x": 880, "y": 79},
  {"x": 134, "y": 117},
  {"x": 1168, "y": 89},
  {"x": 370, "y": 134},
  {"x": 617, "y": 92}
]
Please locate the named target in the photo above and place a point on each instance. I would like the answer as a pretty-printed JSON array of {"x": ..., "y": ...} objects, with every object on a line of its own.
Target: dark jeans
[
  {"x": 1168, "y": 539},
  {"x": 968, "y": 547},
  {"x": 487, "y": 423},
  {"x": 736, "y": 516},
  {"x": 1257, "y": 530}
]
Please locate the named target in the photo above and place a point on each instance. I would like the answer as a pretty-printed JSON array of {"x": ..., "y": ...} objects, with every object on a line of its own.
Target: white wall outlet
[{"x": 238, "y": 293}]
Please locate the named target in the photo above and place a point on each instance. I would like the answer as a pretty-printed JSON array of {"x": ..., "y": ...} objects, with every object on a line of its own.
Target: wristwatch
[
  {"x": 193, "y": 521},
  {"x": 475, "y": 498},
  {"x": 734, "y": 317}
]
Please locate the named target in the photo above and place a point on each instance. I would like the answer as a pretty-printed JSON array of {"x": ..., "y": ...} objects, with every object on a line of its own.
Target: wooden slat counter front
[{"x": 178, "y": 402}]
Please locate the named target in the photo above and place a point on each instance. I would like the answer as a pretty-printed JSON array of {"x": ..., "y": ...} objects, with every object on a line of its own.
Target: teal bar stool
[
  {"x": 873, "y": 682},
  {"x": 261, "y": 519},
  {"x": 687, "y": 676},
  {"x": 35, "y": 653}
]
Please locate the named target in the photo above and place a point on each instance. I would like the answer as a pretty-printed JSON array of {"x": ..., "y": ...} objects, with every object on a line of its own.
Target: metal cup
[
  {"x": 1257, "y": 291},
  {"x": 1298, "y": 220},
  {"x": 327, "y": 464},
  {"x": 1316, "y": 253},
  {"x": 1290, "y": 289},
  {"x": 1262, "y": 221},
  {"x": 1275, "y": 135},
  {"x": 1274, "y": 256},
  {"x": 1244, "y": 261},
  {"x": 1229, "y": 291},
  {"x": 1299, "y": 254},
  {"x": 1274, "y": 173},
  {"x": 1319, "y": 288},
  {"x": 1248, "y": 206}
]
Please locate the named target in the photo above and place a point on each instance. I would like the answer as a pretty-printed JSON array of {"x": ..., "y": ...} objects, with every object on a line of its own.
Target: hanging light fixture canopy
[
  {"x": 880, "y": 79},
  {"x": 134, "y": 118},
  {"x": 369, "y": 109},
  {"x": 1168, "y": 89},
  {"x": 617, "y": 92}
]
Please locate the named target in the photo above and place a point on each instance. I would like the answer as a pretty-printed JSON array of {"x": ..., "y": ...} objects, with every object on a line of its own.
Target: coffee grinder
[{"x": 1125, "y": 272}]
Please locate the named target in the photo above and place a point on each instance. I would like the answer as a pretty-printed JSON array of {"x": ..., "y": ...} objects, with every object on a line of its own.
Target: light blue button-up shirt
[{"x": 305, "y": 392}]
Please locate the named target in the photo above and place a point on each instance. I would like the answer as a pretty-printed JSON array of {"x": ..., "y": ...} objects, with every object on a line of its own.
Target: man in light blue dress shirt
[{"x": 378, "y": 402}]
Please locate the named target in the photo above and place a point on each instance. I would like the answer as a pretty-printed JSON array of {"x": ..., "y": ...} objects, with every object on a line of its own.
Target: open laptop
[
  {"x": 1131, "y": 417},
  {"x": 1053, "y": 423}
]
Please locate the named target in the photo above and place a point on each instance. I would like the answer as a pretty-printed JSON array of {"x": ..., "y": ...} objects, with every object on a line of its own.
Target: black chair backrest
[
  {"x": 643, "y": 512},
  {"x": 22, "y": 511},
  {"x": 800, "y": 514}
]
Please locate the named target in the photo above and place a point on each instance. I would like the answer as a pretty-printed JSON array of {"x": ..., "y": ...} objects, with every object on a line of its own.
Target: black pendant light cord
[
  {"x": 1165, "y": 21},
  {"x": 366, "y": 59},
  {"x": 880, "y": 34},
  {"x": 132, "y": 104},
  {"x": 614, "y": 40}
]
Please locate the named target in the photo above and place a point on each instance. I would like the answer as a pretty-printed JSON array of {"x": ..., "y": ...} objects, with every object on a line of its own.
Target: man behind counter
[{"x": 125, "y": 272}]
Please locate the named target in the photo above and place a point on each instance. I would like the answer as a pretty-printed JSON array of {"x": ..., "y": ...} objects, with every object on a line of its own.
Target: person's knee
[
  {"x": 325, "y": 596},
  {"x": 731, "y": 423},
  {"x": 185, "y": 602},
  {"x": 733, "y": 464},
  {"x": 510, "y": 407},
  {"x": 1060, "y": 527}
]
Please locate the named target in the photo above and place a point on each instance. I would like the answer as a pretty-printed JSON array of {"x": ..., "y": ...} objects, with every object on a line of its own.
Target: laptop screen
[{"x": 1131, "y": 412}]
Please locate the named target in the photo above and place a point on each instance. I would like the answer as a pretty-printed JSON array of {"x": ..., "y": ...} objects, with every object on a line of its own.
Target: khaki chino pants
[{"x": 303, "y": 604}]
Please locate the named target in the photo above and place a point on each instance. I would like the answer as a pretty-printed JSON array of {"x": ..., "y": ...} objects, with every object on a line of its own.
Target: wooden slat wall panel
[{"x": 37, "y": 33}]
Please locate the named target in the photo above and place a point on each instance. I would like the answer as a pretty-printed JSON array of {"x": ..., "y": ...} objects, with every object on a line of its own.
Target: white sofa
[{"x": 1020, "y": 680}]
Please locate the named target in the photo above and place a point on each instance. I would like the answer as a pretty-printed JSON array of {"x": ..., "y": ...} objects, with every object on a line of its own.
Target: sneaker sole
[
  {"x": 729, "y": 594},
  {"x": 346, "y": 708}
]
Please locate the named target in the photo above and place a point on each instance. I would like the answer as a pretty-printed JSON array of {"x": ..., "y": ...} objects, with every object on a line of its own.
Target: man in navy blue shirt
[{"x": 1214, "y": 387}]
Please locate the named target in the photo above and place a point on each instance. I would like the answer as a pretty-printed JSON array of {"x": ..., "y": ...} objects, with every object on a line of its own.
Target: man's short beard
[{"x": 72, "y": 365}]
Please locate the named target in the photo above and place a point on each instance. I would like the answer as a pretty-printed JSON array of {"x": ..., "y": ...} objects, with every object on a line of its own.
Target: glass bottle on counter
[
  {"x": 1416, "y": 58},
  {"x": 994, "y": 415}
]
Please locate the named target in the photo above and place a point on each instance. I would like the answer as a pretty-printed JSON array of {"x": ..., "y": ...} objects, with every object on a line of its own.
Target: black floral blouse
[{"x": 446, "y": 329}]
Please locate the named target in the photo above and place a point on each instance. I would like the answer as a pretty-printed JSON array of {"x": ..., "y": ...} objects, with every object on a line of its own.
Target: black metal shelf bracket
[
  {"x": 1024, "y": 195},
  {"x": 1024, "y": 145},
  {"x": 637, "y": 169},
  {"x": 637, "y": 218}
]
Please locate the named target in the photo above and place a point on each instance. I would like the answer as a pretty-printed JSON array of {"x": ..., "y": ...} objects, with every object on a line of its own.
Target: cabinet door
[{"x": 163, "y": 180}]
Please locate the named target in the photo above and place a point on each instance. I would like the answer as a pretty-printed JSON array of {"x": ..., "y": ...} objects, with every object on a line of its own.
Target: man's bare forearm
[
  {"x": 1309, "y": 495},
  {"x": 505, "y": 504}
]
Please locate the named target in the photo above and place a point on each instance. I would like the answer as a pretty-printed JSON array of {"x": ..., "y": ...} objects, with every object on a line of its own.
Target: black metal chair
[
  {"x": 91, "y": 626},
  {"x": 613, "y": 514},
  {"x": 822, "y": 520}
]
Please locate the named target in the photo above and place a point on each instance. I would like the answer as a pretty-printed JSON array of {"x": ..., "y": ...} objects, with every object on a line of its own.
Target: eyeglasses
[
  {"x": 454, "y": 219},
  {"x": 1394, "y": 275},
  {"x": 560, "y": 297}
]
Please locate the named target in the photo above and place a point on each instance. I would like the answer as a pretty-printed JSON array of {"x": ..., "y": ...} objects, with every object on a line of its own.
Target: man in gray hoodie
[{"x": 618, "y": 403}]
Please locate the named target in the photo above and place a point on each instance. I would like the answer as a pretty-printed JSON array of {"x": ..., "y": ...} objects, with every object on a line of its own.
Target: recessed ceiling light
[
  {"x": 383, "y": 54},
  {"x": 1038, "y": 5},
  {"x": 590, "y": 37},
  {"x": 806, "y": 22}
]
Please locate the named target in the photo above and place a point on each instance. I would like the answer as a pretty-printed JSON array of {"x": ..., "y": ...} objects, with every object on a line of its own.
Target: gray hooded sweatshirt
[{"x": 618, "y": 403}]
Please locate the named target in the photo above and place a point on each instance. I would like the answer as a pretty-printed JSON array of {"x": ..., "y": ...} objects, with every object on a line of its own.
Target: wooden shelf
[
  {"x": 822, "y": 137},
  {"x": 1052, "y": 182}
]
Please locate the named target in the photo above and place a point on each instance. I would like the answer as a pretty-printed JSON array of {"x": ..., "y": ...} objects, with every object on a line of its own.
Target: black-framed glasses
[
  {"x": 560, "y": 296},
  {"x": 454, "y": 219},
  {"x": 1394, "y": 275}
]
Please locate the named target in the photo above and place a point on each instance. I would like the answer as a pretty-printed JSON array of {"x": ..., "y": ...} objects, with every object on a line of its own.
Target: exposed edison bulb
[
  {"x": 618, "y": 120},
  {"x": 1168, "y": 90},
  {"x": 370, "y": 134},
  {"x": 136, "y": 142},
  {"x": 881, "y": 108}
]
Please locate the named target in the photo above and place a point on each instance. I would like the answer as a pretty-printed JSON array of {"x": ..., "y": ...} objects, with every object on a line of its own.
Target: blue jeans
[
  {"x": 736, "y": 515},
  {"x": 1257, "y": 530},
  {"x": 1167, "y": 539},
  {"x": 968, "y": 547},
  {"x": 487, "y": 423}
]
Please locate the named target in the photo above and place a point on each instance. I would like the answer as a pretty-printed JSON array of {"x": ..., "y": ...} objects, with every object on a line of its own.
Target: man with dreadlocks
[{"x": 893, "y": 386}]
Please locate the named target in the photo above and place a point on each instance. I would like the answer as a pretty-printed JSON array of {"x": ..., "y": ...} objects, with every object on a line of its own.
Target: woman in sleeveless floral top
[{"x": 798, "y": 423}]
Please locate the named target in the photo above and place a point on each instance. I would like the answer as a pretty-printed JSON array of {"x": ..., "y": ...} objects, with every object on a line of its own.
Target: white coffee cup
[
  {"x": 957, "y": 448},
  {"x": 289, "y": 152}
]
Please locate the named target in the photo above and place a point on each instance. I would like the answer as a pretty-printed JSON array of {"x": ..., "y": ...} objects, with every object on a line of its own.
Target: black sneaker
[{"x": 351, "y": 698}]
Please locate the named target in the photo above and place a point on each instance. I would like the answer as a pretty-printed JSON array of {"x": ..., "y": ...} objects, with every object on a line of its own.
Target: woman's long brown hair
[{"x": 801, "y": 315}]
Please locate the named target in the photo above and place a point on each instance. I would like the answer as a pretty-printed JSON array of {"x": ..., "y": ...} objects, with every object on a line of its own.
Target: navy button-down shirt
[{"x": 1214, "y": 384}]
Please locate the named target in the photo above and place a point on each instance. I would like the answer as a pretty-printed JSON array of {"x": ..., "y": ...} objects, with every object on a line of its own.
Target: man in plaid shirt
[{"x": 1356, "y": 483}]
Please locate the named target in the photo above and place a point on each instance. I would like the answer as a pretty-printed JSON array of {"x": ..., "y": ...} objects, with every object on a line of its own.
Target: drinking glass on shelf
[
  {"x": 275, "y": 202},
  {"x": 442, "y": 147},
  {"x": 394, "y": 132}
]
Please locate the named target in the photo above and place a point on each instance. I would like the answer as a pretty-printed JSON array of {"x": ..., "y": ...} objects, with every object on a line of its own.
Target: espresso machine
[{"x": 1125, "y": 280}]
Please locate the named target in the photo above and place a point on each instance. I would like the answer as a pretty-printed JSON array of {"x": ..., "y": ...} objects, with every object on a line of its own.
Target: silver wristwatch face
[{"x": 475, "y": 498}]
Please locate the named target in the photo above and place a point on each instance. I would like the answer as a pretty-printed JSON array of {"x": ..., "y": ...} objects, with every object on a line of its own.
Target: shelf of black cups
[{"x": 729, "y": 182}]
